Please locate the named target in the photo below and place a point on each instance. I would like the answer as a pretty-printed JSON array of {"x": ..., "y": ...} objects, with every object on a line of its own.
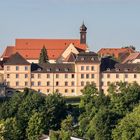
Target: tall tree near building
[{"x": 43, "y": 58}]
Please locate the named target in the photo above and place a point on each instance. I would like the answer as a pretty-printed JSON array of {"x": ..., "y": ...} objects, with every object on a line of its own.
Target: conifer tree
[{"x": 43, "y": 56}]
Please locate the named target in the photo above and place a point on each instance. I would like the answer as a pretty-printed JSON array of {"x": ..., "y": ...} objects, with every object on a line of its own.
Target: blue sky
[{"x": 110, "y": 23}]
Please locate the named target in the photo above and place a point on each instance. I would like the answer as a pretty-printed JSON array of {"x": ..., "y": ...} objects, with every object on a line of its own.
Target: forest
[{"x": 28, "y": 115}]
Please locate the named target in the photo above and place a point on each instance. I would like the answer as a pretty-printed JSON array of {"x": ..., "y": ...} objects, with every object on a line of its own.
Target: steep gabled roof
[
  {"x": 16, "y": 59},
  {"x": 8, "y": 52},
  {"x": 70, "y": 58}
]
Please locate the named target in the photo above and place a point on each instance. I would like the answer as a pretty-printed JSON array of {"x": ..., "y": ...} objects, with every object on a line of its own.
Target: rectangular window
[
  {"x": 72, "y": 75},
  {"x": 57, "y": 75},
  {"x": 8, "y": 68},
  {"x": 135, "y": 75},
  {"x": 72, "y": 91},
  {"x": 48, "y": 75},
  {"x": 17, "y": 75},
  {"x": 72, "y": 83},
  {"x": 32, "y": 83},
  {"x": 108, "y": 83},
  {"x": 39, "y": 83},
  {"x": 87, "y": 67},
  {"x": 39, "y": 75},
  {"x": 108, "y": 75},
  {"x": 17, "y": 68},
  {"x": 8, "y": 75},
  {"x": 48, "y": 83},
  {"x": 126, "y": 75},
  {"x": 26, "y": 75},
  {"x": 82, "y": 83},
  {"x": 66, "y": 90},
  {"x": 92, "y": 75},
  {"x": 57, "y": 90},
  {"x": 32, "y": 75},
  {"x": 87, "y": 76},
  {"x": 82, "y": 76},
  {"x": 117, "y": 75},
  {"x": 26, "y": 83},
  {"x": 82, "y": 67},
  {"x": 87, "y": 83},
  {"x": 26, "y": 67},
  {"x": 48, "y": 90},
  {"x": 17, "y": 83},
  {"x": 66, "y": 83},
  {"x": 57, "y": 83},
  {"x": 92, "y": 68},
  {"x": 66, "y": 75}
]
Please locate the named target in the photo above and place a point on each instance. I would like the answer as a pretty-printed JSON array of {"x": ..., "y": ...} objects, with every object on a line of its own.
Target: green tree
[
  {"x": 67, "y": 128},
  {"x": 36, "y": 126},
  {"x": 43, "y": 58},
  {"x": 12, "y": 130},
  {"x": 129, "y": 127},
  {"x": 54, "y": 135},
  {"x": 101, "y": 125},
  {"x": 91, "y": 102},
  {"x": 2, "y": 130},
  {"x": 55, "y": 111},
  {"x": 124, "y": 98}
]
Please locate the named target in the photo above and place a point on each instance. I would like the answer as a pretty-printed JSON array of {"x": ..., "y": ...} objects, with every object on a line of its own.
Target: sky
[{"x": 110, "y": 23}]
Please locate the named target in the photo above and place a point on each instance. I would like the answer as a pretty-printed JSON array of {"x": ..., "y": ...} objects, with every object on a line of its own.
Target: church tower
[{"x": 83, "y": 32}]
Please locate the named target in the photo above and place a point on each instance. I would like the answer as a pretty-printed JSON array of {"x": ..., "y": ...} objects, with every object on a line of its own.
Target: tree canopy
[{"x": 43, "y": 58}]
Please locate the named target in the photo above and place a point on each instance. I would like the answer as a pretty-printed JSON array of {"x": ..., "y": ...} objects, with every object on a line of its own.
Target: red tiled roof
[
  {"x": 114, "y": 51},
  {"x": 132, "y": 57},
  {"x": 30, "y": 48},
  {"x": 48, "y": 43},
  {"x": 8, "y": 52}
]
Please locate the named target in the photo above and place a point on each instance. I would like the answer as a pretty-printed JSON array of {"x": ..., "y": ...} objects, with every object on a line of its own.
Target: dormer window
[
  {"x": 92, "y": 58},
  {"x": 39, "y": 69},
  {"x": 82, "y": 58},
  {"x": 57, "y": 69},
  {"x": 108, "y": 69},
  {"x": 117, "y": 69},
  {"x": 66, "y": 69},
  {"x": 48, "y": 69},
  {"x": 126, "y": 69}
]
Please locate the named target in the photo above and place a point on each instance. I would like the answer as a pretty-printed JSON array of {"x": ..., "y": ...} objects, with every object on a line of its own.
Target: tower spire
[{"x": 83, "y": 32}]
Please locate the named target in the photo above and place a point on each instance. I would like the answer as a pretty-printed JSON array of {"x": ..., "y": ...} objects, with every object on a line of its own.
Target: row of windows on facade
[
  {"x": 17, "y": 68},
  {"x": 57, "y": 90},
  {"x": 17, "y": 75},
  {"x": 87, "y": 76},
  {"x": 56, "y": 76},
  {"x": 56, "y": 83},
  {"x": 39, "y": 76},
  {"x": 108, "y": 83},
  {"x": 87, "y": 68},
  {"x": 49, "y": 83},
  {"x": 118, "y": 76},
  {"x": 72, "y": 76}
]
